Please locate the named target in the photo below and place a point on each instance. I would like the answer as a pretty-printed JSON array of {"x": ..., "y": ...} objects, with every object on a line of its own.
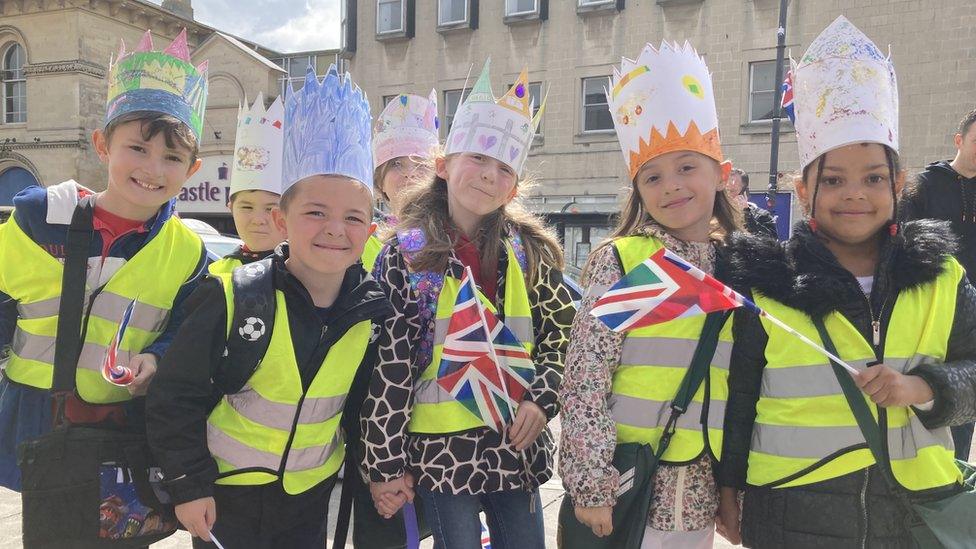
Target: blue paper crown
[{"x": 328, "y": 130}]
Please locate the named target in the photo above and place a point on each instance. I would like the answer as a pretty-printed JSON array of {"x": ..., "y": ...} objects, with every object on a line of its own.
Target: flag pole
[
  {"x": 501, "y": 379},
  {"x": 749, "y": 304}
]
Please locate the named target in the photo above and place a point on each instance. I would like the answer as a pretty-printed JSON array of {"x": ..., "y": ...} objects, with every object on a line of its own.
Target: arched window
[{"x": 14, "y": 84}]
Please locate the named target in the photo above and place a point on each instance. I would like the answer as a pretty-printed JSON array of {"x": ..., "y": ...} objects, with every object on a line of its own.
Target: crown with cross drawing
[
  {"x": 663, "y": 102},
  {"x": 258, "y": 147},
  {"x": 158, "y": 81},
  {"x": 502, "y": 129}
]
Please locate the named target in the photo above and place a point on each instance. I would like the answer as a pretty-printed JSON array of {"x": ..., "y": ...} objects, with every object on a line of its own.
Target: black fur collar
[{"x": 803, "y": 274}]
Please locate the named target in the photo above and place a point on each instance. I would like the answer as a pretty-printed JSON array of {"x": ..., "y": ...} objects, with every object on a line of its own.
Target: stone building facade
[{"x": 414, "y": 45}]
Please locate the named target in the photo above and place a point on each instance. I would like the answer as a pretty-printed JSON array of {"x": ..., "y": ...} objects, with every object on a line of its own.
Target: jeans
[
  {"x": 454, "y": 521},
  {"x": 962, "y": 438}
]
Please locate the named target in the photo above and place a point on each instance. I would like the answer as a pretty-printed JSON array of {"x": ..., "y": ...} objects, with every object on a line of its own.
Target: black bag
[
  {"x": 87, "y": 486},
  {"x": 948, "y": 521},
  {"x": 637, "y": 463}
]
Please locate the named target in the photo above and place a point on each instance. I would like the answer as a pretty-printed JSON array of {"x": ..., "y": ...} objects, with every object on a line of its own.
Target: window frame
[
  {"x": 403, "y": 18},
  {"x": 449, "y": 116},
  {"x": 460, "y": 22},
  {"x": 532, "y": 12},
  {"x": 594, "y": 3},
  {"x": 751, "y": 119},
  {"x": 19, "y": 83},
  {"x": 584, "y": 105}
]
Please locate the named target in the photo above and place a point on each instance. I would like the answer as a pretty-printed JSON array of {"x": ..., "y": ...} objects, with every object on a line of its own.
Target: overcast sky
[{"x": 283, "y": 25}]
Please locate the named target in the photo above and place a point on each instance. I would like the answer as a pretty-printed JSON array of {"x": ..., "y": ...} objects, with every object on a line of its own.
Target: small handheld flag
[
  {"x": 113, "y": 372},
  {"x": 483, "y": 365},
  {"x": 665, "y": 287}
]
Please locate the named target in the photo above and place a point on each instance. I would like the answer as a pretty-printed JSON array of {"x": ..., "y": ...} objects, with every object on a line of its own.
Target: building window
[
  {"x": 387, "y": 99},
  {"x": 596, "y": 110},
  {"x": 762, "y": 91},
  {"x": 452, "y": 99},
  {"x": 295, "y": 67},
  {"x": 14, "y": 85},
  {"x": 593, "y": 3},
  {"x": 452, "y": 12},
  {"x": 389, "y": 16},
  {"x": 347, "y": 25},
  {"x": 521, "y": 7}
]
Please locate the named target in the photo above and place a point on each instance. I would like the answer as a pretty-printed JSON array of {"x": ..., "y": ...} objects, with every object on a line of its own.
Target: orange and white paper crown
[
  {"x": 663, "y": 102},
  {"x": 258, "y": 148},
  {"x": 502, "y": 129},
  {"x": 844, "y": 92}
]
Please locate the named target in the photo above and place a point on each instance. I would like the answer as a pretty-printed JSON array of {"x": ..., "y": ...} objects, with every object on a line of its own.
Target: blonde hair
[
  {"x": 426, "y": 208},
  {"x": 726, "y": 219}
]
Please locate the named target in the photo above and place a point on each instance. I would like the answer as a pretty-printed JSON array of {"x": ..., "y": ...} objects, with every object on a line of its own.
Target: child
[
  {"x": 618, "y": 386},
  {"x": 255, "y": 184},
  {"x": 258, "y": 468},
  {"x": 139, "y": 252},
  {"x": 895, "y": 303},
  {"x": 466, "y": 217},
  {"x": 404, "y": 142}
]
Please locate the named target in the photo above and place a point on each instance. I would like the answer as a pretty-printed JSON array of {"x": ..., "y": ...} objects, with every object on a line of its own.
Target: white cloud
[{"x": 282, "y": 25}]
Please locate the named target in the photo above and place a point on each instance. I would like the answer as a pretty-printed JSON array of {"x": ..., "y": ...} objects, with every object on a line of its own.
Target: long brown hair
[
  {"x": 726, "y": 219},
  {"x": 426, "y": 208}
]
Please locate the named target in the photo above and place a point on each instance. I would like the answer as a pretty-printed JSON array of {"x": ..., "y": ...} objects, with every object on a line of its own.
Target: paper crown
[
  {"x": 258, "y": 148},
  {"x": 844, "y": 92},
  {"x": 327, "y": 130},
  {"x": 406, "y": 127},
  {"x": 501, "y": 129},
  {"x": 663, "y": 102},
  {"x": 158, "y": 81}
]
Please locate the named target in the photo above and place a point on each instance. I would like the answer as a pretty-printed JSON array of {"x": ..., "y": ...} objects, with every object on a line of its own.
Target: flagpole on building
[{"x": 777, "y": 105}]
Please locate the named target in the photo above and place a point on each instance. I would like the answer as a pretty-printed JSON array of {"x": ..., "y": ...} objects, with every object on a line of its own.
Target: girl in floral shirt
[{"x": 665, "y": 118}]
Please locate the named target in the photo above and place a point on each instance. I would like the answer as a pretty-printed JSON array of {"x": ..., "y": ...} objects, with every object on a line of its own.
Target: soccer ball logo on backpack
[
  {"x": 252, "y": 330},
  {"x": 252, "y": 270}
]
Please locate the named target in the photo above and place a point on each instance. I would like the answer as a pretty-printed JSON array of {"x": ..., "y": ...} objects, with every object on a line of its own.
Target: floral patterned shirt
[{"x": 685, "y": 496}]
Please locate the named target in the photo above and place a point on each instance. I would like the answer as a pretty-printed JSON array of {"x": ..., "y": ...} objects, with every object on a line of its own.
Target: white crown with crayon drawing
[{"x": 258, "y": 148}]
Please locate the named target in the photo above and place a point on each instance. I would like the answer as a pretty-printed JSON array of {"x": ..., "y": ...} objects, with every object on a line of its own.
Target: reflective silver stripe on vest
[
  {"x": 41, "y": 349},
  {"x": 819, "y": 442},
  {"x": 278, "y": 415},
  {"x": 648, "y": 414},
  {"x": 521, "y": 327},
  {"x": 428, "y": 391},
  {"x": 108, "y": 306},
  {"x": 819, "y": 380},
  {"x": 242, "y": 456},
  {"x": 672, "y": 352}
]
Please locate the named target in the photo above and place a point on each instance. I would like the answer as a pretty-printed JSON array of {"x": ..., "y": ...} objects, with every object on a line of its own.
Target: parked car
[{"x": 218, "y": 245}]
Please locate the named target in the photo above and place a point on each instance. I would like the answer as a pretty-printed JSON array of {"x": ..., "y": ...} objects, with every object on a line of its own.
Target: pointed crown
[
  {"x": 407, "y": 127},
  {"x": 663, "y": 102},
  {"x": 502, "y": 129},
  {"x": 158, "y": 81},
  {"x": 844, "y": 92},
  {"x": 327, "y": 130},
  {"x": 258, "y": 147}
]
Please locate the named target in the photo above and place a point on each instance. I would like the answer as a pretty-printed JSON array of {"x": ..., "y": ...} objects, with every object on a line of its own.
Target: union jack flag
[
  {"x": 485, "y": 538},
  {"x": 488, "y": 371},
  {"x": 662, "y": 288},
  {"x": 788, "y": 97},
  {"x": 111, "y": 370}
]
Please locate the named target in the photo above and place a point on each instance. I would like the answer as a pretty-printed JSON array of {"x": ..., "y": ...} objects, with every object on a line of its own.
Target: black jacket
[
  {"x": 182, "y": 394},
  {"x": 759, "y": 221},
  {"x": 804, "y": 275},
  {"x": 940, "y": 192}
]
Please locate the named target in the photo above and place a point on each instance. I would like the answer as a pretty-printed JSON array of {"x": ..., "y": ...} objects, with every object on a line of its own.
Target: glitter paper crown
[
  {"x": 327, "y": 130},
  {"x": 663, "y": 102},
  {"x": 406, "y": 127},
  {"x": 501, "y": 129},
  {"x": 258, "y": 147},
  {"x": 158, "y": 81},
  {"x": 844, "y": 92}
]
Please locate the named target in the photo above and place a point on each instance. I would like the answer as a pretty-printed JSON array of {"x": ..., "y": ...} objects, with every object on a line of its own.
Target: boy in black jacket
[{"x": 251, "y": 409}]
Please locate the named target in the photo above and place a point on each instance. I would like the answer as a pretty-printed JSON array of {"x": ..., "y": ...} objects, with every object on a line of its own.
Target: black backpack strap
[
  {"x": 251, "y": 325},
  {"x": 67, "y": 347},
  {"x": 694, "y": 376}
]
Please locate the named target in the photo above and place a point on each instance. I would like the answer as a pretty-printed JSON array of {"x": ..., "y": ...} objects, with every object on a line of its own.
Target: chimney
[{"x": 182, "y": 8}]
